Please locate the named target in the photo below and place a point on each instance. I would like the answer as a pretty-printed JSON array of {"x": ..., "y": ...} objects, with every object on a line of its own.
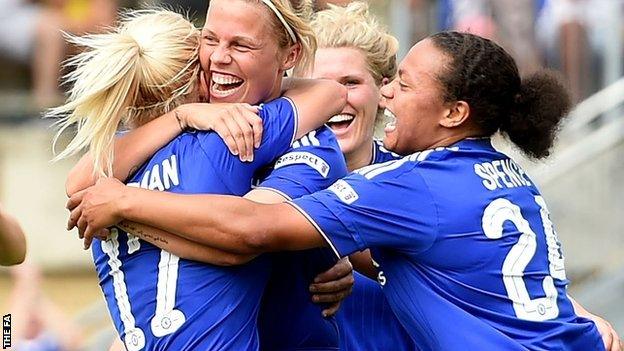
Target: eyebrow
[
  {"x": 240, "y": 39},
  {"x": 351, "y": 77}
]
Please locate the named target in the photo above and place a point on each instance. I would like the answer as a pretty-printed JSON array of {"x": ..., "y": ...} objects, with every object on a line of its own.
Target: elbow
[
  {"x": 13, "y": 259},
  {"x": 72, "y": 185},
  {"x": 235, "y": 260},
  {"x": 70, "y": 188},
  {"x": 255, "y": 240},
  {"x": 223, "y": 259}
]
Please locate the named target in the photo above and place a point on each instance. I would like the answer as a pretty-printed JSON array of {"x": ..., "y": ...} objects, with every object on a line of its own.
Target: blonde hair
[
  {"x": 354, "y": 27},
  {"x": 298, "y": 18},
  {"x": 142, "y": 69}
]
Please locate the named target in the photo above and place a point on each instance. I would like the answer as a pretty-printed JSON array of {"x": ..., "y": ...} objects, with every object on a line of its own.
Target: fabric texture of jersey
[
  {"x": 467, "y": 252},
  {"x": 365, "y": 319},
  {"x": 288, "y": 319},
  {"x": 161, "y": 302}
]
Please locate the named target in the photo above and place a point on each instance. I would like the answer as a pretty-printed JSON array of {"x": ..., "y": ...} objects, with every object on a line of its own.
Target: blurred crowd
[
  {"x": 31, "y": 33},
  {"x": 581, "y": 38}
]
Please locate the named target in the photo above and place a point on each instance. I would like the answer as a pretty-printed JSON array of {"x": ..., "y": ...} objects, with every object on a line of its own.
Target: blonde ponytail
[{"x": 144, "y": 68}]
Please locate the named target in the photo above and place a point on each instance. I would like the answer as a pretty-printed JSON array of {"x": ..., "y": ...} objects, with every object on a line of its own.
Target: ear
[
  {"x": 457, "y": 114},
  {"x": 385, "y": 81},
  {"x": 291, "y": 57}
]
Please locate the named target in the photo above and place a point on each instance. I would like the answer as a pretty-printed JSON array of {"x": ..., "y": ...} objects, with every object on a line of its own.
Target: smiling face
[
  {"x": 239, "y": 54},
  {"x": 415, "y": 99},
  {"x": 354, "y": 125}
]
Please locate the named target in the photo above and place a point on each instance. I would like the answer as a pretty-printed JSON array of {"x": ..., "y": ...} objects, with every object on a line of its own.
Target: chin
[
  {"x": 346, "y": 146},
  {"x": 390, "y": 143}
]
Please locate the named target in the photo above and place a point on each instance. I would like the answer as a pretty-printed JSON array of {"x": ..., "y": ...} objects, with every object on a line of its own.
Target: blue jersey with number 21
[
  {"x": 468, "y": 256},
  {"x": 160, "y": 302}
]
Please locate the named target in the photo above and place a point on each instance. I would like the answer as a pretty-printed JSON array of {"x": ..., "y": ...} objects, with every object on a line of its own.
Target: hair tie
[{"x": 281, "y": 18}]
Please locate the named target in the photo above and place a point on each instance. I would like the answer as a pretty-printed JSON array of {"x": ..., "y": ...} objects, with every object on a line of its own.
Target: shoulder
[
  {"x": 416, "y": 162},
  {"x": 318, "y": 149},
  {"x": 322, "y": 136},
  {"x": 280, "y": 105}
]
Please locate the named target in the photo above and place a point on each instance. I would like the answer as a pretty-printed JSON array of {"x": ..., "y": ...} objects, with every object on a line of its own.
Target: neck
[
  {"x": 452, "y": 139},
  {"x": 277, "y": 90},
  {"x": 360, "y": 157}
]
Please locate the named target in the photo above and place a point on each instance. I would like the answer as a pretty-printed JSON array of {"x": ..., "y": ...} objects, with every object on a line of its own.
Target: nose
[
  {"x": 387, "y": 91},
  {"x": 221, "y": 55}
]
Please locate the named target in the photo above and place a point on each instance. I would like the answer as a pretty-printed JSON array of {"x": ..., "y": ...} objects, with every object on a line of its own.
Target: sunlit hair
[
  {"x": 142, "y": 69},
  {"x": 354, "y": 27},
  {"x": 297, "y": 18}
]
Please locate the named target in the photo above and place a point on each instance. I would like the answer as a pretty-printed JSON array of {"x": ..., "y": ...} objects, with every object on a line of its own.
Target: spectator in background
[
  {"x": 575, "y": 35},
  {"x": 38, "y": 323},
  {"x": 508, "y": 22},
  {"x": 12, "y": 240},
  {"x": 31, "y": 34}
]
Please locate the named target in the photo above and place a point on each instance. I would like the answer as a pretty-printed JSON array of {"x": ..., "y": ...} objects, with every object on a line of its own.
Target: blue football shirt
[
  {"x": 288, "y": 319},
  {"x": 158, "y": 301},
  {"x": 365, "y": 319},
  {"x": 468, "y": 255}
]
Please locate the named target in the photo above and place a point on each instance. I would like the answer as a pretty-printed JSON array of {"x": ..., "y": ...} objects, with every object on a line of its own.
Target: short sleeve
[
  {"x": 313, "y": 163},
  {"x": 386, "y": 211},
  {"x": 279, "y": 121}
]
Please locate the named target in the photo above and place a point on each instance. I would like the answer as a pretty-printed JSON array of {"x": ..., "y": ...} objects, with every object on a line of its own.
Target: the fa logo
[{"x": 6, "y": 331}]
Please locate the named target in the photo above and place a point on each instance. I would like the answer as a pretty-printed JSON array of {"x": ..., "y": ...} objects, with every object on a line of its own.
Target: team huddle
[{"x": 233, "y": 180}]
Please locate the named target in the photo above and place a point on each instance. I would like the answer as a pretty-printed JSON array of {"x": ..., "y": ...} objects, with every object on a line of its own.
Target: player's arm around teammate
[{"x": 238, "y": 125}]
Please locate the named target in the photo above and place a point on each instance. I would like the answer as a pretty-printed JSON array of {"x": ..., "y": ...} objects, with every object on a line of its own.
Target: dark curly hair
[{"x": 485, "y": 76}]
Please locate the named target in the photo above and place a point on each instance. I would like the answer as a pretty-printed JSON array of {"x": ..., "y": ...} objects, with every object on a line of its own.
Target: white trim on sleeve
[{"x": 318, "y": 228}]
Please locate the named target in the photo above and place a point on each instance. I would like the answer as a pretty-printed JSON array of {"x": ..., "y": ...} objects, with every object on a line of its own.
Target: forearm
[
  {"x": 131, "y": 150},
  {"x": 317, "y": 100},
  {"x": 182, "y": 247},
  {"x": 226, "y": 223},
  {"x": 12, "y": 241},
  {"x": 192, "y": 250}
]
